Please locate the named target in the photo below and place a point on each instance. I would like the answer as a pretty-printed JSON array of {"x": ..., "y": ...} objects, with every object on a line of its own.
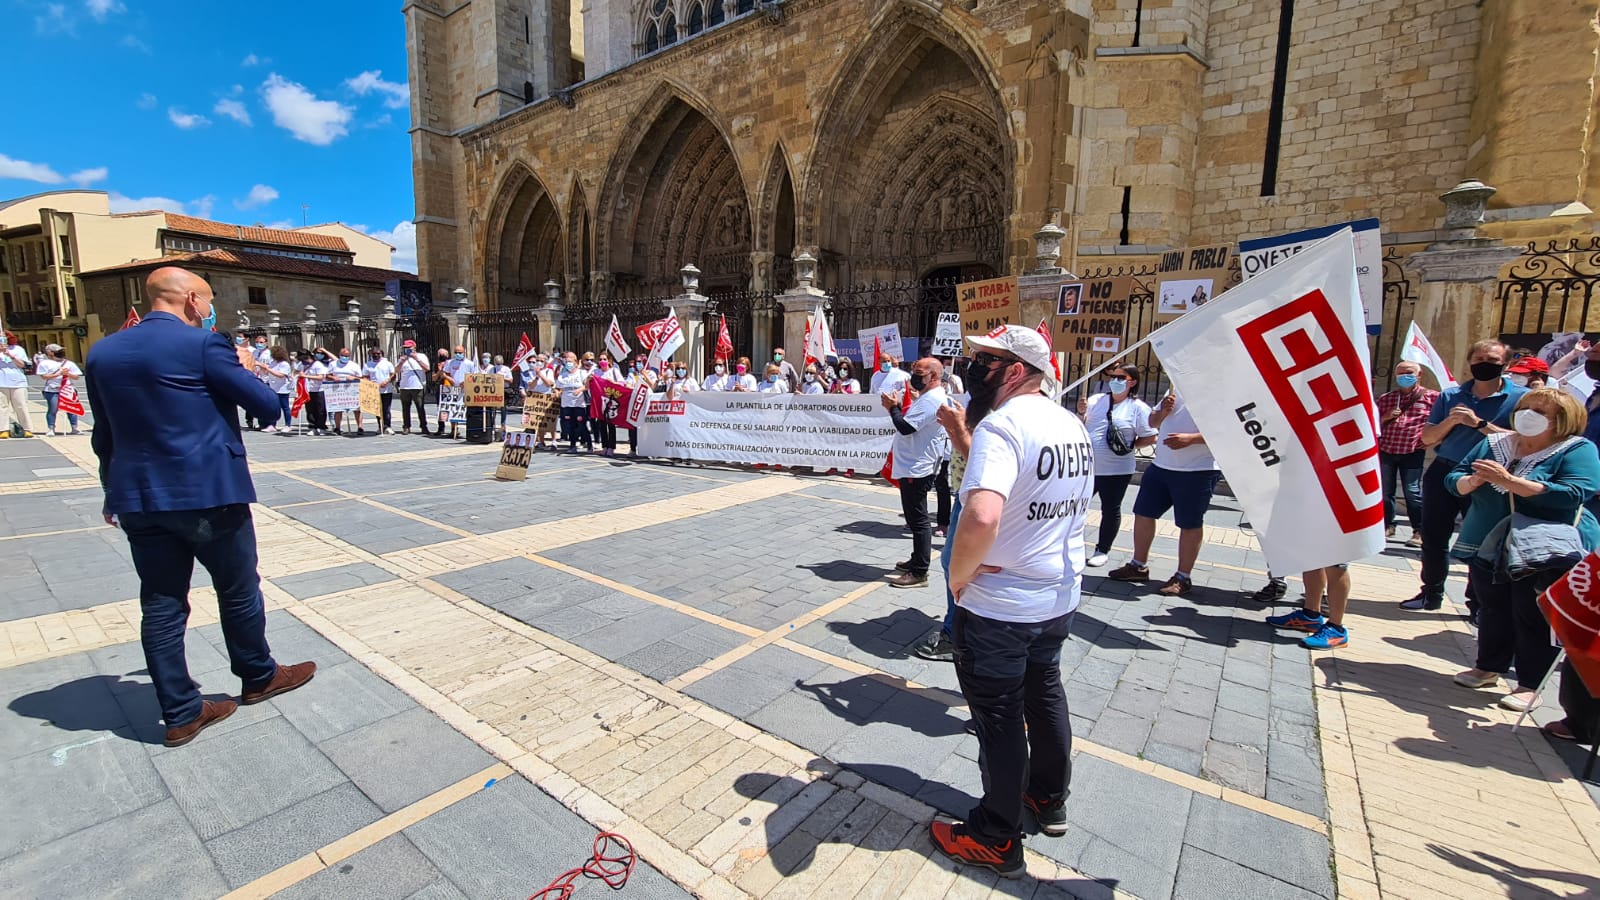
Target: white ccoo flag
[
  {"x": 619, "y": 348},
  {"x": 1417, "y": 349},
  {"x": 669, "y": 339},
  {"x": 819, "y": 338},
  {"x": 1275, "y": 372}
]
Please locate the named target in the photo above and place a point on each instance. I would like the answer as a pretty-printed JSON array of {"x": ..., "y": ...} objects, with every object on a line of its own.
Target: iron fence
[
  {"x": 1549, "y": 291},
  {"x": 328, "y": 335},
  {"x": 583, "y": 328},
  {"x": 431, "y": 332},
  {"x": 292, "y": 339},
  {"x": 741, "y": 310},
  {"x": 1399, "y": 307},
  {"x": 1142, "y": 308},
  {"x": 499, "y": 331},
  {"x": 914, "y": 305}
]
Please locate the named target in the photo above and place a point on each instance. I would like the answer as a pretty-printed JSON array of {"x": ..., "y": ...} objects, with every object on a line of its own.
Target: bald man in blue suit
[{"x": 172, "y": 464}]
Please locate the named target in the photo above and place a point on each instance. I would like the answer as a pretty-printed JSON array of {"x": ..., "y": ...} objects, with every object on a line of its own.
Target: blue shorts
[{"x": 1187, "y": 494}]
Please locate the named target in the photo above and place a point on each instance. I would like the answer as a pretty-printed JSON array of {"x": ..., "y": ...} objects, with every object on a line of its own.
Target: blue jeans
[
  {"x": 52, "y": 400},
  {"x": 1010, "y": 674},
  {"x": 1407, "y": 469},
  {"x": 165, "y": 546},
  {"x": 944, "y": 560},
  {"x": 283, "y": 409}
]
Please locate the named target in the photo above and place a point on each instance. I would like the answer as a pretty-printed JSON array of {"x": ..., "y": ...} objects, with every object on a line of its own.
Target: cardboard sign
[
  {"x": 1188, "y": 279},
  {"x": 452, "y": 405},
  {"x": 371, "y": 400},
  {"x": 888, "y": 335},
  {"x": 1091, "y": 316},
  {"x": 986, "y": 305},
  {"x": 947, "y": 335},
  {"x": 540, "y": 411},
  {"x": 1260, "y": 254},
  {"x": 515, "y": 456},
  {"x": 485, "y": 390}
]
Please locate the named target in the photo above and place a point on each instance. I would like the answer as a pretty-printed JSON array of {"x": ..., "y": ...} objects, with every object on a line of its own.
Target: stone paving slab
[{"x": 371, "y": 529}]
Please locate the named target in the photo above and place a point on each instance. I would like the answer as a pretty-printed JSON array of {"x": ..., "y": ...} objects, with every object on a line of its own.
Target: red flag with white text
[
  {"x": 615, "y": 402},
  {"x": 1572, "y": 607},
  {"x": 131, "y": 320},
  {"x": 524, "y": 350},
  {"x": 724, "y": 341},
  {"x": 68, "y": 400}
]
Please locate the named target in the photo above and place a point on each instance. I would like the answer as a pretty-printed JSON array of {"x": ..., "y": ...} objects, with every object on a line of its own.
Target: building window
[
  {"x": 344, "y": 302},
  {"x": 716, "y": 15},
  {"x": 27, "y": 299},
  {"x": 258, "y": 296},
  {"x": 22, "y": 258},
  {"x": 697, "y": 18},
  {"x": 746, "y": 6},
  {"x": 47, "y": 253},
  {"x": 660, "y": 25},
  {"x": 3, "y": 258},
  {"x": 7, "y": 299},
  {"x": 66, "y": 251},
  {"x": 72, "y": 300}
]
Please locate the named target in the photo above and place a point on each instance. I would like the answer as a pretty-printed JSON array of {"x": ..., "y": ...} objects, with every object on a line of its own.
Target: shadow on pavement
[
  {"x": 887, "y": 636},
  {"x": 846, "y": 570},
  {"x": 1515, "y": 876},
  {"x": 863, "y": 699},
  {"x": 1197, "y": 626},
  {"x": 89, "y": 704},
  {"x": 874, "y": 529},
  {"x": 1086, "y": 627}
]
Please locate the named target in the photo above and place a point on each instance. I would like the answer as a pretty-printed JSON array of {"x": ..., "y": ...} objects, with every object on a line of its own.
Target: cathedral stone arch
[
  {"x": 675, "y": 194},
  {"x": 913, "y": 166},
  {"x": 524, "y": 245},
  {"x": 775, "y": 222},
  {"x": 580, "y": 244}
]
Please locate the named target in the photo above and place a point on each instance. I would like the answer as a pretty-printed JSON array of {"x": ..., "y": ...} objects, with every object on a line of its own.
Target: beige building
[
  {"x": 904, "y": 140},
  {"x": 52, "y": 243},
  {"x": 368, "y": 250}
]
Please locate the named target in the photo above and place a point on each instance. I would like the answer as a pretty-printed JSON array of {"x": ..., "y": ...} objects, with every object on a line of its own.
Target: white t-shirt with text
[
  {"x": 1037, "y": 456},
  {"x": 1132, "y": 419}
]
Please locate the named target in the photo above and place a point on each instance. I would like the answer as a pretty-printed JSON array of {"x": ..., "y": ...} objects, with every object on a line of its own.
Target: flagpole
[{"x": 1108, "y": 363}]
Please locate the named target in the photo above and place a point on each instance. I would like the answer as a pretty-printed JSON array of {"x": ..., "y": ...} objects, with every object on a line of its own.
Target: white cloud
[
  {"x": 233, "y": 109},
  {"x": 121, "y": 203},
  {"x": 297, "y": 110},
  {"x": 55, "y": 20},
  {"x": 403, "y": 237},
  {"x": 253, "y": 60},
  {"x": 87, "y": 177},
  {"x": 28, "y": 171},
  {"x": 100, "y": 9},
  {"x": 185, "y": 120},
  {"x": 135, "y": 43},
  {"x": 281, "y": 225},
  {"x": 147, "y": 101},
  {"x": 396, "y": 94},
  {"x": 260, "y": 195},
  {"x": 202, "y": 207}
]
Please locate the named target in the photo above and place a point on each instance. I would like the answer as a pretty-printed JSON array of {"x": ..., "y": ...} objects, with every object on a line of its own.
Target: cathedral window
[
  {"x": 715, "y": 14},
  {"x": 746, "y": 6},
  {"x": 697, "y": 18},
  {"x": 659, "y": 26}
]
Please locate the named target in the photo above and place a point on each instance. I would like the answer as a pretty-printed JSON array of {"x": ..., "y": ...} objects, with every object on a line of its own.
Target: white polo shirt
[{"x": 1038, "y": 457}]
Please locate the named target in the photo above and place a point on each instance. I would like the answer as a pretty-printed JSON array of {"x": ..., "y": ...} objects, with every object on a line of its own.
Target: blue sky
[{"x": 239, "y": 112}]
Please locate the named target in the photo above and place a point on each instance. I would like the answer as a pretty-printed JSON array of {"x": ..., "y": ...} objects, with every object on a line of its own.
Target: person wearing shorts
[
  {"x": 1182, "y": 479},
  {"x": 1323, "y": 631}
]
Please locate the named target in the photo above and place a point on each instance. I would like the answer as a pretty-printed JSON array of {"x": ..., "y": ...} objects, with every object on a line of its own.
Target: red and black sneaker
[
  {"x": 954, "y": 841},
  {"x": 1052, "y": 816}
]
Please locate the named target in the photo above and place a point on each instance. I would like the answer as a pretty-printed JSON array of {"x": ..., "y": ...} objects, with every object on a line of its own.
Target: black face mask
[
  {"x": 1487, "y": 371},
  {"x": 916, "y": 382},
  {"x": 1591, "y": 368},
  {"x": 982, "y": 389}
]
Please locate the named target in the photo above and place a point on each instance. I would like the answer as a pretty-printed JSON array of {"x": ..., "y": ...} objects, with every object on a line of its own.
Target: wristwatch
[{"x": 1482, "y": 424}]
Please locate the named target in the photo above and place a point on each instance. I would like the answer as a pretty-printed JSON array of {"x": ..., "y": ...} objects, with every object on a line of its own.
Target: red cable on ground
[{"x": 611, "y": 862}]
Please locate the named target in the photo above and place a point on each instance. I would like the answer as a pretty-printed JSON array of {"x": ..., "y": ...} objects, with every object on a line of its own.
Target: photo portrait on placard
[
  {"x": 1178, "y": 297},
  {"x": 1070, "y": 301}
]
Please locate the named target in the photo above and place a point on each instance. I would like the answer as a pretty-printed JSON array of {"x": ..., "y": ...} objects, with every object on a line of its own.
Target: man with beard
[
  {"x": 1461, "y": 417},
  {"x": 1017, "y": 572},
  {"x": 918, "y": 451}
]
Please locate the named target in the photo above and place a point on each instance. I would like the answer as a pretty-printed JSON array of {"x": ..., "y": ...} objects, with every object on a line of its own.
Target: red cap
[
  {"x": 1527, "y": 365},
  {"x": 411, "y": 344}
]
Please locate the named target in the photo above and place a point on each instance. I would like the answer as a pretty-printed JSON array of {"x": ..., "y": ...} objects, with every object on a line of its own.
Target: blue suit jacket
[{"x": 166, "y": 424}]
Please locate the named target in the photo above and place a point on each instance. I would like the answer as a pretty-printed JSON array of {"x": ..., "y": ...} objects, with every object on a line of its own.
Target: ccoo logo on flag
[{"x": 1305, "y": 357}]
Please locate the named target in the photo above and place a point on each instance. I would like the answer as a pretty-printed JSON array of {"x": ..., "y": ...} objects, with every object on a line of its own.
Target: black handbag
[
  {"x": 1114, "y": 439},
  {"x": 1521, "y": 546}
]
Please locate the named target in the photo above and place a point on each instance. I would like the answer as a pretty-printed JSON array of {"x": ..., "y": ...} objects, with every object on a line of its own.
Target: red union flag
[
  {"x": 1276, "y": 375},
  {"x": 1572, "y": 607},
  {"x": 615, "y": 402}
]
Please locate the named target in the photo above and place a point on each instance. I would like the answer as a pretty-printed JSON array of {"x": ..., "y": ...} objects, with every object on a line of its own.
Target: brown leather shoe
[
  {"x": 286, "y": 679},
  {"x": 211, "y": 712}
]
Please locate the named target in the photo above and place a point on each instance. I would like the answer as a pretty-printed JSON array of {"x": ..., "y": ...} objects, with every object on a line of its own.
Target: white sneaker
[
  {"x": 50, "y": 433},
  {"x": 388, "y": 431},
  {"x": 285, "y": 429},
  {"x": 1098, "y": 560},
  {"x": 1518, "y": 701}
]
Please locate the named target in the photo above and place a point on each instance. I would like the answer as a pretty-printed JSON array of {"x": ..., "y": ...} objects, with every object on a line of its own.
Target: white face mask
[
  {"x": 1519, "y": 380},
  {"x": 1529, "y": 423}
]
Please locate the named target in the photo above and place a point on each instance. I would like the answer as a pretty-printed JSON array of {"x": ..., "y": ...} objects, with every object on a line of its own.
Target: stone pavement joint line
[{"x": 306, "y": 866}]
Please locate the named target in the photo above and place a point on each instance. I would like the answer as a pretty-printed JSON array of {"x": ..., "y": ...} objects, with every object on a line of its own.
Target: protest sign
[
  {"x": 1277, "y": 378},
  {"x": 539, "y": 412},
  {"x": 891, "y": 343},
  {"x": 986, "y": 305},
  {"x": 615, "y": 403},
  {"x": 342, "y": 396},
  {"x": 452, "y": 405},
  {"x": 514, "y": 456},
  {"x": 482, "y": 389},
  {"x": 1188, "y": 279},
  {"x": 1258, "y": 255},
  {"x": 947, "y": 339},
  {"x": 1092, "y": 315},
  {"x": 823, "y": 430},
  {"x": 370, "y": 401}
]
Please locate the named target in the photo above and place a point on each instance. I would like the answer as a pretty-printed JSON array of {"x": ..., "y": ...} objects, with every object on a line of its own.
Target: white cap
[{"x": 1025, "y": 344}]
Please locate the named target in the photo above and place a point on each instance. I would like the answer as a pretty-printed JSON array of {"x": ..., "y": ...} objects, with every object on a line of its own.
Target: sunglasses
[{"x": 988, "y": 360}]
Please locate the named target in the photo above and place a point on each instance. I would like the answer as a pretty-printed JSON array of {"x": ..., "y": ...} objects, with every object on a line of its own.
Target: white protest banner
[
  {"x": 1259, "y": 255},
  {"x": 1419, "y": 350},
  {"x": 614, "y": 342},
  {"x": 1276, "y": 374},
  {"x": 341, "y": 396},
  {"x": 453, "y": 404},
  {"x": 841, "y": 431},
  {"x": 888, "y": 334},
  {"x": 947, "y": 335}
]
